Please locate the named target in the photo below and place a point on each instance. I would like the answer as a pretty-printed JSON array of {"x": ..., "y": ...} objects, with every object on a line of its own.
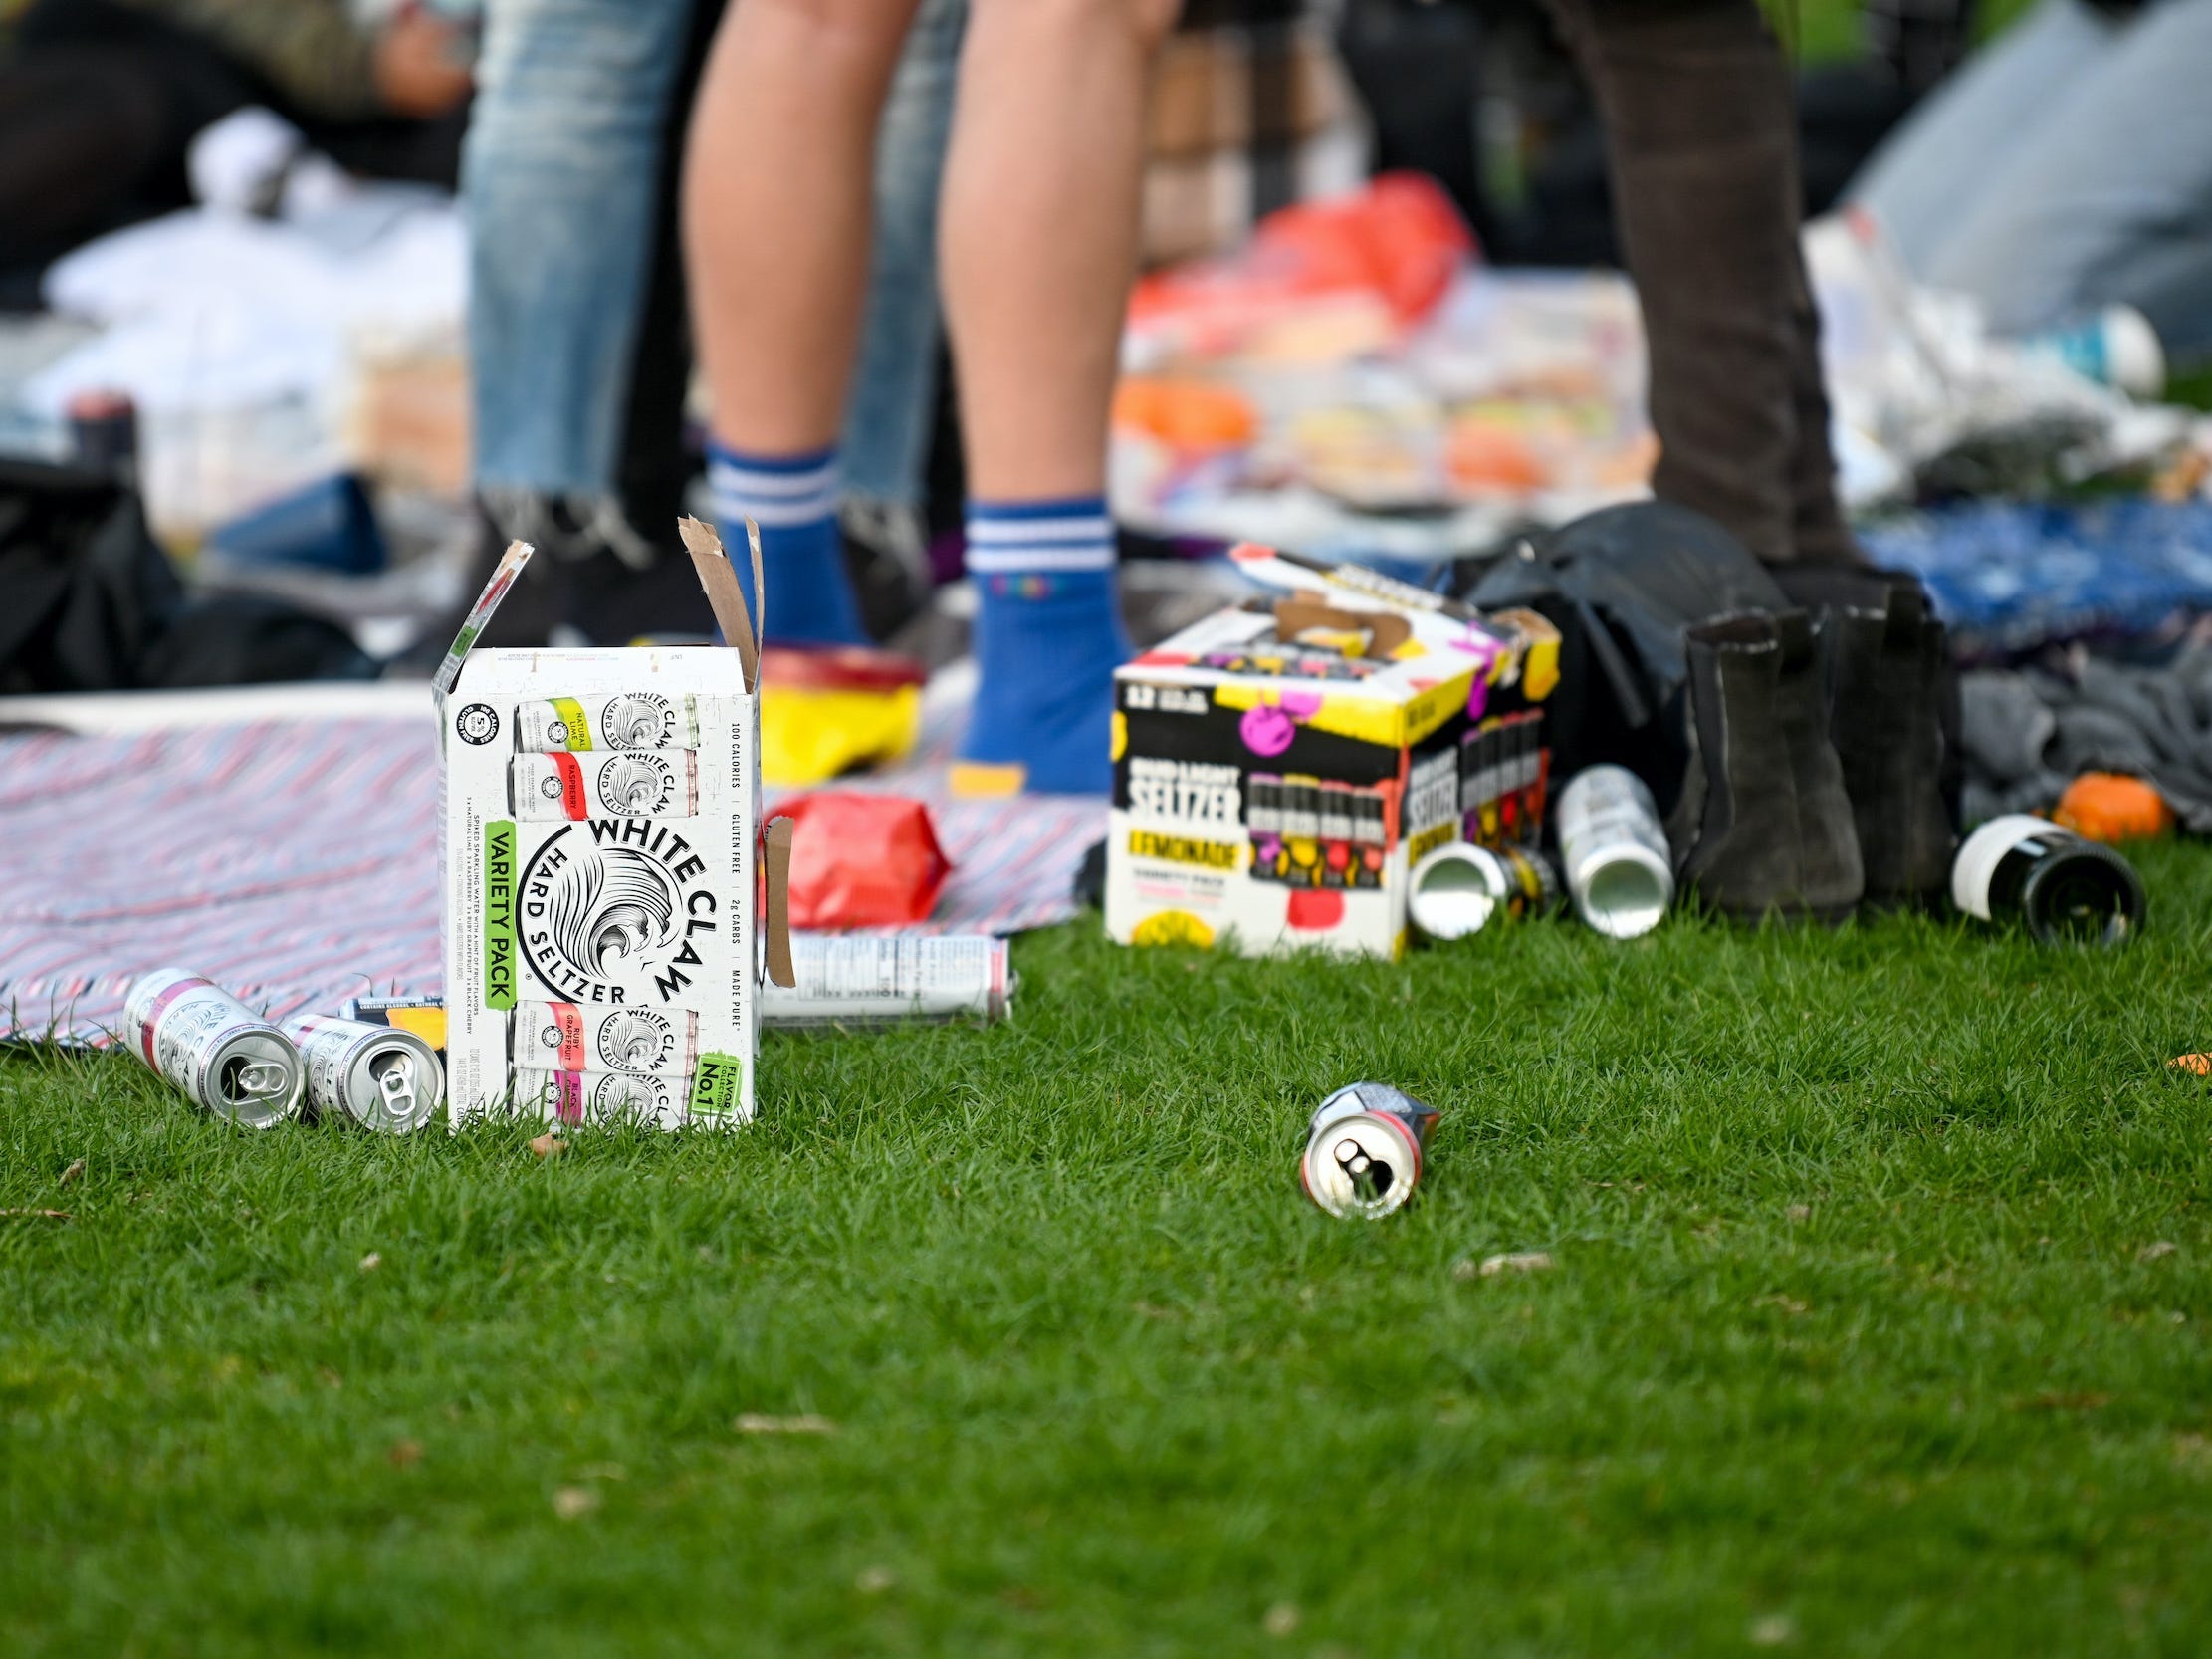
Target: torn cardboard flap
[
  {"x": 502, "y": 577},
  {"x": 1305, "y": 619},
  {"x": 1343, "y": 584},
  {"x": 723, "y": 596},
  {"x": 777, "y": 911}
]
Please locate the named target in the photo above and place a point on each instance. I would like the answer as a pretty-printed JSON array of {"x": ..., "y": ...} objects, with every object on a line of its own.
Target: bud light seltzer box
[
  {"x": 1279, "y": 767},
  {"x": 611, "y": 897}
]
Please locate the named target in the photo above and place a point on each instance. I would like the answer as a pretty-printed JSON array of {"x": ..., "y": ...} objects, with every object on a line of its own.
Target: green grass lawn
[{"x": 1877, "y": 1320}]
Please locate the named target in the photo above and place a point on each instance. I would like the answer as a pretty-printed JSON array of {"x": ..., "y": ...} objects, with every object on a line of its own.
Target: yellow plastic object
[
  {"x": 811, "y": 734},
  {"x": 1540, "y": 675},
  {"x": 987, "y": 779},
  {"x": 426, "y": 1022}
]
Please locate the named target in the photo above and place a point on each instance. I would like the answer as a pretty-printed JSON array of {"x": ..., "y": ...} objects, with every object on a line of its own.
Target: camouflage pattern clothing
[{"x": 309, "y": 50}]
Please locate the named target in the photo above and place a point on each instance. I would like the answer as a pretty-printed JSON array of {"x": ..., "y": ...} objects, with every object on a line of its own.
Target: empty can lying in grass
[
  {"x": 867, "y": 981},
  {"x": 372, "y": 1075},
  {"x": 2065, "y": 889},
  {"x": 1364, "y": 1150},
  {"x": 1459, "y": 888},
  {"x": 1613, "y": 851},
  {"x": 214, "y": 1048}
]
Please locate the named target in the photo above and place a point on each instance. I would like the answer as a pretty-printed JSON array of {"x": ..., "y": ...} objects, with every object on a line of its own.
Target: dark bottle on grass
[{"x": 2024, "y": 872}]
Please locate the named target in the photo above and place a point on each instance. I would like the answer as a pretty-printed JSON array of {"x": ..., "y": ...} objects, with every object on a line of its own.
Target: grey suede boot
[{"x": 1763, "y": 827}]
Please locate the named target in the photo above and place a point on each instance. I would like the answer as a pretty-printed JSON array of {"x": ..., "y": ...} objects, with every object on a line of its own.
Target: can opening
[
  {"x": 245, "y": 1080},
  {"x": 1371, "y": 1178},
  {"x": 2085, "y": 903},
  {"x": 394, "y": 1073},
  {"x": 1453, "y": 896},
  {"x": 1624, "y": 897}
]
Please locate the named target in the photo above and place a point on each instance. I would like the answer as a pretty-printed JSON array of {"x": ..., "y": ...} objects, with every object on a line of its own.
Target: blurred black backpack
[
  {"x": 1620, "y": 584},
  {"x": 88, "y": 602}
]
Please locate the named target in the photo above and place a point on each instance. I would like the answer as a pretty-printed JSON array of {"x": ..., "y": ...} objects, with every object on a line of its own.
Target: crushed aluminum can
[
  {"x": 374, "y": 1077},
  {"x": 630, "y": 720},
  {"x": 214, "y": 1048},
  {"x": 573, "y": 1037},
  {"x": 1364, "y": 1150}
]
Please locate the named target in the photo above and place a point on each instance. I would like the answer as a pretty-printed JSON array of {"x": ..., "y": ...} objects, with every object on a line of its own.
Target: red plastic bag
[
  {"x": 862, "y": 861},
  {"x": 1401, "y": 237},
  {"x": 1399, "y": 241}
]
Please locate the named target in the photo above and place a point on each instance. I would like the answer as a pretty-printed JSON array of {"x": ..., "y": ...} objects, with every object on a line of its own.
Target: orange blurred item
[
  {"x": 1401, "y": 237},
  {"x": 1189, "y": 415},
  {"x": 2110, "y": 807},
  {"x": 1487, "y": 459}
]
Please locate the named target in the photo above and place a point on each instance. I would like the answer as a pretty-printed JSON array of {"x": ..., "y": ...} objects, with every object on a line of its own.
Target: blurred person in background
[
  {"x": 101, "y": 98},
  {"x": 1040, "y": 225},
  {"x": 579, "y": 351},
  {"x": 1702, "y": 144},
  {"x": 2066, "y": 168}
]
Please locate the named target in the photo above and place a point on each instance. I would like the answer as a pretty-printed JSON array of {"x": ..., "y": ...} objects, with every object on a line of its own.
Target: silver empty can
[
  {"x": 1613, "y": 851},
  {"x": 1459, "y": 888},
  {"x": 375, "y": 1077},
  {"x": 214, "y": 1048},
  {"x": 1364, "y": 1150}
]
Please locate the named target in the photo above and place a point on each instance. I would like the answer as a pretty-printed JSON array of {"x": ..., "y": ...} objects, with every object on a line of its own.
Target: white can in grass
[
  {"x": 373, "y": 1077},
  {"x": 214, "y": 1048},
  {"x": 1613, "y": 851},
  {"x": 1460, "y": 889}
]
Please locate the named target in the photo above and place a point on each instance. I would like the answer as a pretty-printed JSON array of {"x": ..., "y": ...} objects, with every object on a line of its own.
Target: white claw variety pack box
[
  {"x": 1280, "y": 767},
  {"x": 601, "y": 864}
]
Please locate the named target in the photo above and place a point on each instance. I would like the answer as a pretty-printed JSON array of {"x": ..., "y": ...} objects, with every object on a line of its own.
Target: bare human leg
[
  {"x": 776, "y": 213},
  {"x": 1039, "y": 245}
]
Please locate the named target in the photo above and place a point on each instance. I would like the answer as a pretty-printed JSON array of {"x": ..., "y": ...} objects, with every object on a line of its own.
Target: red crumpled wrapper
[{"x": 862, "y": 861}]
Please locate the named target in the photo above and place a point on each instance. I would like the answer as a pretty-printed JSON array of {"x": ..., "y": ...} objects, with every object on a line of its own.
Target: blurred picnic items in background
[{"x": 315, "y": 305}]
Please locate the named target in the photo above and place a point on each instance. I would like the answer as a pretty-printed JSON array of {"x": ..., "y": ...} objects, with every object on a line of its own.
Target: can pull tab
[
  {"x": 395, "y": 1081},
  {"x": 248, "y": 1080},
  {"x": 1369, "y": 1177}
]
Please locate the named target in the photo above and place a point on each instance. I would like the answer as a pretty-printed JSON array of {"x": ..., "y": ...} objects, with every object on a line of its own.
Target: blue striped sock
[
  {"x": 794, "y": 499},
  {"x": 1048, "y": 637}
]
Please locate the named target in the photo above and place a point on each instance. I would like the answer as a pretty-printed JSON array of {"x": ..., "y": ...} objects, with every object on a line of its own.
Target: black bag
[
  {"x": 88, "y": 602},
  {"x": 84, "y": 588},
  {"x": 1620, "y": 584}
]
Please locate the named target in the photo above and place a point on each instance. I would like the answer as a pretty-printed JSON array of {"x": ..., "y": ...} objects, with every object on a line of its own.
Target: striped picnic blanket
[{"x": 295, "y": 861}]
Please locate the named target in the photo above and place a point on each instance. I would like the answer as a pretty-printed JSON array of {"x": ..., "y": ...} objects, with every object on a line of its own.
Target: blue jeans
[
  {"x": 557, "y": 178},
  {"x": 2067, "y": 168},
  {"x": 890, "y": 407}
]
